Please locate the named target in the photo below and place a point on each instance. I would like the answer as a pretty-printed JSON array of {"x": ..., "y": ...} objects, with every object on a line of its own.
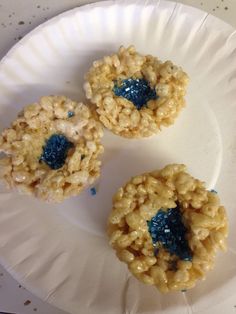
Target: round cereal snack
[
  {"x": 135, "y": 95},
  {"x": 51, "y": 149},
  {"x": 167, "y": 228}
]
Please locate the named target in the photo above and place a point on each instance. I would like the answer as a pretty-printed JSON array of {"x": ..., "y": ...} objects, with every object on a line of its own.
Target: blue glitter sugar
[
  {"x": 213, "y": 191},
  {"x": 93, "y": 191},
  {"x": 138, "y": 91},
  {"x": 168, "y": 230},
  {"x": 55, "y": 151},
  {"x": 70, "y": 114}
]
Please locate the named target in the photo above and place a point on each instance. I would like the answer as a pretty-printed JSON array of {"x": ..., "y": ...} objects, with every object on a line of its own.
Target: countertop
[{"x": 15, "y": 22}]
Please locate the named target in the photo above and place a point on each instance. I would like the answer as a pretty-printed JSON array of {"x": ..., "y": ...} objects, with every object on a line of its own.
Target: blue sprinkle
[
  {"x": 55, "y": 151},
  {"x": 93, "y": 191},
  {"x": 138, "y": 91},
  {"x": 70, "y": 114},
  {"x": 213, "y": 191},
  {"x": 168, "y": 230}
]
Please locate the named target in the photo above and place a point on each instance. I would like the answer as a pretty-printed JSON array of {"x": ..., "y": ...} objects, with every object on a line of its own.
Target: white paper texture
[{"x": 60, "y": 252}]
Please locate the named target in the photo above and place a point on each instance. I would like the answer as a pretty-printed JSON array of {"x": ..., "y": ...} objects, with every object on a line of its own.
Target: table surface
[{"x": 15, "y": 22}]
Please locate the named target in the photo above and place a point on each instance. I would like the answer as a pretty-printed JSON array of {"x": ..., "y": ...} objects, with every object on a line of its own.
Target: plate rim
[{"x": 104, "y": 3}]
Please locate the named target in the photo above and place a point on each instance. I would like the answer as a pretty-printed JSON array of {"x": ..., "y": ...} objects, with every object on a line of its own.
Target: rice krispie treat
[
  {"x": 135, "y": 95},
  {"x": 167, "y": 228},
  {"x": 51, "y": 149}
]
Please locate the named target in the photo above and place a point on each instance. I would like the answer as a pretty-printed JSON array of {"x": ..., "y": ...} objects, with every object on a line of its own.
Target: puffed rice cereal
[
  {"x": 51, "y": 149},
  {"x": 135, "y": 95},
  {"x": 167, "y": 228}
]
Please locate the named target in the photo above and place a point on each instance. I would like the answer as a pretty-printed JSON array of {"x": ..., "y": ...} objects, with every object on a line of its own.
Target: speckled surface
[{"x": 17, "y": 18}]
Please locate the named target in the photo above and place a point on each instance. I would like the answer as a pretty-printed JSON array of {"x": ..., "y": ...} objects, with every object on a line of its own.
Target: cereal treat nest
[
  {"x": 51, "y": 149},
  {"x": 167, "y": 227},
  {"x": 135, "y": 95}
]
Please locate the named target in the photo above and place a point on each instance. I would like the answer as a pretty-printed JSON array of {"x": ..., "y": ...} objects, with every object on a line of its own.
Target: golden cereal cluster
[
  {"x": 203, "y": 216},
  {"x": 119, "y": 114},
  {"x": 22, "y": 144}
]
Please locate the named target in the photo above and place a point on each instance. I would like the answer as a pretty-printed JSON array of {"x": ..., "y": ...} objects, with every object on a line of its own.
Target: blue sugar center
[
  {"x": 138, "y": 91},
  {"x": 168, "y": 230},
  {"x": 55, "y": 151}
]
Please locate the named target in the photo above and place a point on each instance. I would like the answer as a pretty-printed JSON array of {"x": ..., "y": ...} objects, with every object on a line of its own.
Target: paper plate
[{"x": 60, "y": 252}]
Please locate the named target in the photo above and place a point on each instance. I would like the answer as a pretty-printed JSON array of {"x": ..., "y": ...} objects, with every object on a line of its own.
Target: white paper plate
[{"x": 60, "y": 252}]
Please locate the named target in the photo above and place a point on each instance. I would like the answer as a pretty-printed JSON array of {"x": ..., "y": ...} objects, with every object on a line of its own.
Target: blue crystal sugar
[
  {"x": 55, "y": 151},
  {"x": 168, "y": 231},
  {"x": 138, "y": 91},
  {"x": 93, "y": 191},
  {"x": 213, "y": 191}
]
